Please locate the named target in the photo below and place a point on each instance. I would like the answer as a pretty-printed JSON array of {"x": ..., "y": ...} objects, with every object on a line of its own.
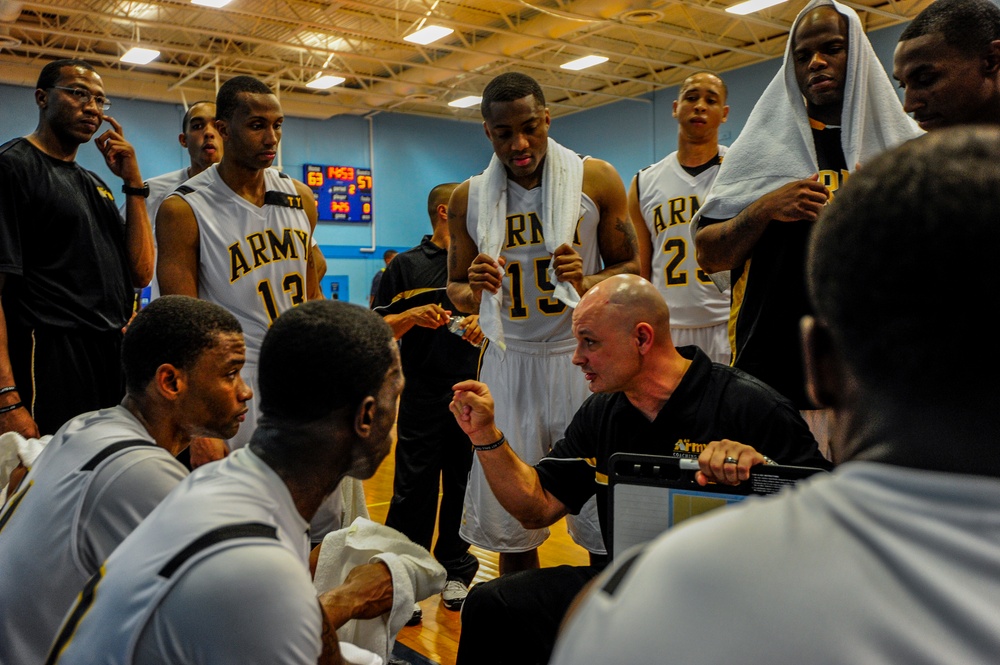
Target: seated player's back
[{"x": 96, "y": 479}]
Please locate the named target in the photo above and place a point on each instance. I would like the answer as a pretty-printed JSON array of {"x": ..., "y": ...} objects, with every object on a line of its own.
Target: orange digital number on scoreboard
[{"x": 340, "y": 172}]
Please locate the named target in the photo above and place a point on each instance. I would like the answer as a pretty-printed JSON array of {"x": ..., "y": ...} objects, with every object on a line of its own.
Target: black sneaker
[{"x": 416, "y": 617}]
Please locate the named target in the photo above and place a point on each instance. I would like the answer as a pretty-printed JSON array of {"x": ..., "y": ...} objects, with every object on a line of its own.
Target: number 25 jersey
[
  {"x": 669, "y": 197},
  {"x": 252, "y": 261}
]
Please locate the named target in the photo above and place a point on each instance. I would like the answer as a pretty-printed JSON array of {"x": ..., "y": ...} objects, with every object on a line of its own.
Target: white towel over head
[{"x": 776, "y": 145}]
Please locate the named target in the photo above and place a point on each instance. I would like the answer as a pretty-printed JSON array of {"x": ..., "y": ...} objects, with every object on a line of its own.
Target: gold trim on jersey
[
  {"x": 34, "y": 383},
  {"x": 738, "y": 291}
]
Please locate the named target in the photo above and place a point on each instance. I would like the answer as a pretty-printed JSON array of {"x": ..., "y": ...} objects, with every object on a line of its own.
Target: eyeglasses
[{"x": 83, "y": 97}]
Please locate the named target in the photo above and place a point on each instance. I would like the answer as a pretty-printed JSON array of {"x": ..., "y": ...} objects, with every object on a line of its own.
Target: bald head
[
  {"x": 622, "y": 330},
  {"x": 627, "y": 300}
]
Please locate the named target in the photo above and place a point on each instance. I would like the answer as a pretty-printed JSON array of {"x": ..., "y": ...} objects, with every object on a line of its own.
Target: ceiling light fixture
[
  {"x": 140, "y": 56},
  {"x": 325, "y": 81},
  {"x": 425, "y": 36},
  {"x": 751, "y": 6},
  {"x": 584, "y": 62},
  {"x": 211, "y": 3},
  {"x": 466, "y": 102}
]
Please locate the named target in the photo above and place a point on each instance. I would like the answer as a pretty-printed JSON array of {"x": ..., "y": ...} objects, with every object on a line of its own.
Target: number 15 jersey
[
  {"x": 530, "y": 312},
  {"x": 252, "y": 261}
]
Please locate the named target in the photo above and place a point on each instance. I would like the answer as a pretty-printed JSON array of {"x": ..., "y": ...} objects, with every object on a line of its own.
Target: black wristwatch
[{"x": 137, "y": 191}]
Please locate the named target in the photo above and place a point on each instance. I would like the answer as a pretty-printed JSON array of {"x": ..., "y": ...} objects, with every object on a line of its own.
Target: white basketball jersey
[
  {"x": 224, "y": 507},
  {"x": 252, "y": 260},
  {"x": 669, "y": 197},
  {"x": 95, "y": 480},
  {"x": 160, "y": 188},
  {"x": 529, "y": 311}
]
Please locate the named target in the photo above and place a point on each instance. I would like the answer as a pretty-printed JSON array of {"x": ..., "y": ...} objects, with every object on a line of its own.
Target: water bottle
[{"x": 454, "y": 327}]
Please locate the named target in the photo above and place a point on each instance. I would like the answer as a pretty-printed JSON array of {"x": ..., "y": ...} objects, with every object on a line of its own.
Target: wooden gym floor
[{"x": 436, "y": 637}]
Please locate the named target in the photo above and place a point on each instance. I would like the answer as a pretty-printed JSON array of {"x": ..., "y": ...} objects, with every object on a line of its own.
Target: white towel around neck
[
  {"x": 562, "y": 186},
  {"x": 776, "y": 145}
]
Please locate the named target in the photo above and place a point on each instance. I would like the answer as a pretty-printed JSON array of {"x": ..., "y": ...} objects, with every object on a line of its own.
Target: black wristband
[
  {"x": 7, "y": 389},
  {"x": 11, "y": 407},
  {"x": 490, "y": 446},
  {"x": 137, "y": 191}
]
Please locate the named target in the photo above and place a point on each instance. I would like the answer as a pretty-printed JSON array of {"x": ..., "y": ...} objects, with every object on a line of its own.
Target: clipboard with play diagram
[{"x": 648, "y": 494}]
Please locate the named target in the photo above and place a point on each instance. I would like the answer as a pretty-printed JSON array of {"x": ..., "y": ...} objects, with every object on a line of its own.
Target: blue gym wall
[{"x": 412, "y": 154}]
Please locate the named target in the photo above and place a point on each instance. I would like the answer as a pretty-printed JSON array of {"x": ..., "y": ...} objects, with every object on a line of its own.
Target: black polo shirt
[
  {"x": 712, "y": 402},
  {"x": 433, "y": 360}
]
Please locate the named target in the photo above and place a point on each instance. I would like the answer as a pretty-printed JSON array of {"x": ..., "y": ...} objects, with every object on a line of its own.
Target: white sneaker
[{"x": 453, "y": 594}]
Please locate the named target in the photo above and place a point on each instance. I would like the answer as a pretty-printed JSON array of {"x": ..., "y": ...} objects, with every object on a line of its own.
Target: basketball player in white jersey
[
  {"x": 535, "y": 378},
  {"x": 239, "y": 233},
  {"x": 104, "y": 471},
  {"x": 661, "y": 202},
  {"x": 201, "y": 140},
  {"x": 219, "y": 572}
]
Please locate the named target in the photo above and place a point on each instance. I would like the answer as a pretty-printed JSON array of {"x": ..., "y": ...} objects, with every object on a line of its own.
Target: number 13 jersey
[{"x": 252, "y": 261}]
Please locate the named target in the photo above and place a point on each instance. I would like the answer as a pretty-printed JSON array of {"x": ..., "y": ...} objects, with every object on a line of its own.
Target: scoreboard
[{"x": 343, "y": 193}]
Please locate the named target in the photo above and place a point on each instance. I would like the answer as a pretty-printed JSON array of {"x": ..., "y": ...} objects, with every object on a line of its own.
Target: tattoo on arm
[
  {"x": 630, "y": 244},
  {"x": 453, "y": 263}
]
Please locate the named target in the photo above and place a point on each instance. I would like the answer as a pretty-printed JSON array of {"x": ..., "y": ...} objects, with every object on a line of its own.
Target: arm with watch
[
  {"x": 516, "y": 485},
  {"x": 120, "y": 157},
  {"x": 14, "y": 414}
]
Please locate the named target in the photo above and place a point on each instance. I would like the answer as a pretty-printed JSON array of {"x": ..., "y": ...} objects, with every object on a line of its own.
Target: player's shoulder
[
  {"x": 178, "y": 176},
  {"x": 300, "y": 186},
  {"x": 656, "y": 169},
  {"x": 274, "y": 177},
  {"x": 459, "y": 202},
  {"x": 174, "y": 204},
  {"x": 601, "y": 180},
  {"x": 201, "y": 181},
  {"x": 595, "y": 165},
  {"x": 462, "y": 191}
]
